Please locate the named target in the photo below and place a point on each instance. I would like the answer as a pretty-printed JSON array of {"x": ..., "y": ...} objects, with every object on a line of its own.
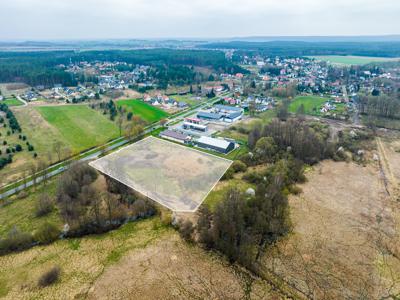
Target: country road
[{"x": 50, "y": 172}]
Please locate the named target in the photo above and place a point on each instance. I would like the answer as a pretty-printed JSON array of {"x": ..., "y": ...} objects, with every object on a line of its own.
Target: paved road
[
  {"x": 61, "y": 169},
  {"x": 84, "y": 157}
]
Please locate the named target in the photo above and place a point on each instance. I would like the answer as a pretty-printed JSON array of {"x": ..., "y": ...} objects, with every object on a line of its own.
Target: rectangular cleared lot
[{"x": 175, "y": 176}]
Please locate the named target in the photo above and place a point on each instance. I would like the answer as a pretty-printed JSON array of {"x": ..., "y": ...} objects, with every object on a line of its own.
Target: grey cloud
[{"x": 74, "y": 19}]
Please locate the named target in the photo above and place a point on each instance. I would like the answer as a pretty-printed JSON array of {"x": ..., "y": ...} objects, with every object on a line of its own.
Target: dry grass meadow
[{"x": 345, "y": 243}]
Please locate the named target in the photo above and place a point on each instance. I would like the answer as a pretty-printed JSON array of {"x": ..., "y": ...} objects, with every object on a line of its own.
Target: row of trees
[{"x": 13, "y": 122}]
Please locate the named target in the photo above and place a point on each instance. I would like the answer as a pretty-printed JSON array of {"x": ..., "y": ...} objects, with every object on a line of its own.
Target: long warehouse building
[{"x": 218, "y": 145}]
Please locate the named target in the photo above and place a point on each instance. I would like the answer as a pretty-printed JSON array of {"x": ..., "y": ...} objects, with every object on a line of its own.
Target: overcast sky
[{"x": 94, "y": 19}]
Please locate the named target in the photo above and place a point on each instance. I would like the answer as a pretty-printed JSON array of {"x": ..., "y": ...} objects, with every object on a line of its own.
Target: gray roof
[
  {"x": 226, "y": 107},
  {"x": 174, "y": 134},
  {"x": 203, "y": 114},
  {"x": 234, "y": 115},
  {"x": 214, "y": 142}
]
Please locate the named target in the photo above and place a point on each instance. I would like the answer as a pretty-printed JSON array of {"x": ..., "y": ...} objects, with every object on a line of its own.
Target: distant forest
[
  {"x": 292, "y": 48},
  {"x": 172, "y": 66}
]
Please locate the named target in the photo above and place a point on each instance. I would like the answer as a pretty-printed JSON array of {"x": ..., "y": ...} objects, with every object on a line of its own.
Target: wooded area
[{"x": 169, "y": 66}]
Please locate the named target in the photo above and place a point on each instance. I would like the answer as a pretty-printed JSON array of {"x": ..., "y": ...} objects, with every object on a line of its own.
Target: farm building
[
  {"x": 218, "y": 145},
  {"x": 175, "y": 136}
]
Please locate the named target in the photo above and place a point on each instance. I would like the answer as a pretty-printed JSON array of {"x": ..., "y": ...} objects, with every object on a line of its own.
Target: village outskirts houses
[{"x": 164, "y": 101}]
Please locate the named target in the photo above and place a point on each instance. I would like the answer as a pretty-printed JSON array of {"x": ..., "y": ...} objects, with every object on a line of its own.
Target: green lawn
[
  {"x": 311, "y": 104},
  {"x": 12, "y": 102},
  {"x": 352, "y": 60},
  {"x": 21, "y": 212},
  {"x": 79, "y": 126},
  {"x": 218, "y": 193},
  {"x": 146, "y": 111},
  {"x": 189, "y": 99}
]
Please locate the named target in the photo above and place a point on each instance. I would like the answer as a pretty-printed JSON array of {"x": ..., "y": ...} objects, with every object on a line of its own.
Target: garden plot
[{"x": 175, "y": 176}]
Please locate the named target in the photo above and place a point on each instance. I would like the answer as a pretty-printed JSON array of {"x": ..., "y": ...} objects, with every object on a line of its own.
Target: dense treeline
[
  {"x": 244, "y": 224},
  {"x": 178, "y": 75},
  {"x": 380, "y": 106},
  {"x": 172, "y": 66},
  {"x": 307, "y": 142},
  {"x": 293, "y": 48},
  {"x": 36, "y": 68}
]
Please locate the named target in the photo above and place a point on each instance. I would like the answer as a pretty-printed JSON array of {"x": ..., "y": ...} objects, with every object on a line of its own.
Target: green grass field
[
  {"x": 79, "y": 126},
  {"x": 146, "y": 111},
  {"x": 21, "y": 212},
  {"x": 311, "y": 104},
  {"x": 189, "y": 99},
  {"x": 12, "y": 102},
  {"x": 218, "y": 193},
  {"x": 353, "y": 60}
]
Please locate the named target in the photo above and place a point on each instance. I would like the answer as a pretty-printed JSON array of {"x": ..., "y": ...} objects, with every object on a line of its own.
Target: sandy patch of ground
[
  {"x": 131, "y": 94},
  {"x": 172, "y": 269},
  {"x": 345, "y": 240}
]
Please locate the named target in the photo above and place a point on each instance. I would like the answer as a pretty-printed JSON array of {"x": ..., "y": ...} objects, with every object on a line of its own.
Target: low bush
[
  {"x": 239, "y": 166},
  {"x": 49, "y": 277},
  {"x": 47, "y": 233},
  {"x": 15, "y": 241},
  {"x": 44, "y": 206},
  {"x": 186, "y": 230},
  {"x": 228, "y": 174}
]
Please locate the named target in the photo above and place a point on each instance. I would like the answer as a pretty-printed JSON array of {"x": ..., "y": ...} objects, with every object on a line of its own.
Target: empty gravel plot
[{"x": 175, "y": 176}]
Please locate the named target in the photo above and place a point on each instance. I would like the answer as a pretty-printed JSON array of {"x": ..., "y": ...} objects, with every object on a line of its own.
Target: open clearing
[
  {"x": 312, "y": 104},
  {"x": 191, "y": 100},
  {"x": 80, "y": 126},
  {"x": 141, "y": 260},
  {"x": 146, "y": 111},
  {"x": 32, "y": 127},
  {"x": 21, "y": 212},
  {"x": 353, "y": 60},
  {"x": 173, "y": 175},
  {"x": 345, "y": 243},
  {"x": 13, "y": 88},
  {"x": 12, "y": 102}
]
